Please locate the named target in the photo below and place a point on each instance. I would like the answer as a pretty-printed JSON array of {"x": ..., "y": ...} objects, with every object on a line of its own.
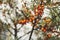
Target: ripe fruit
[
  {"x": 39, "y": 7},
  {"x": 41, "y": 11},
  {"x": 48, "y": 20},
  {"x": 36, "y": 14},
  {"x": 19, "y": 21},
  {"x": 30, "y": 20},
  {"x": 36, "y": 10},
  {"x": 43, "y": 29},
  {"x": 27, "y": 20},
  {"x": 42, "y": 5},
  {"x": 49, "y": 35},
  {"x": 42, "y": 8},
  {"x": 22, "y": 21}
]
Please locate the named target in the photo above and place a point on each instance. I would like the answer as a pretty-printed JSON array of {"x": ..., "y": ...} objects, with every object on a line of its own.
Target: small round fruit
[
  {"x": 20, "y": 21},
  {"x": 49, "y": 35},
  {"x": 48, "y": 20},
  {"x": 44, "y": 30},
  {"x": 30, "y": 20},
  {"x": 42, "y": 8},
  {"x": 36, "y": 14},
  {"x": 39, "y": 8},
  {"x": 27, "y": 20},
  {"x": 42, "y": 5},
  {"x": 36, "y": 10}
]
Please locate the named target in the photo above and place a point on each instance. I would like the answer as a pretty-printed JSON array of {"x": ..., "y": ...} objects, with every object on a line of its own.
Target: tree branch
[
  {"x": 29, "y": 32},
  {"x": 20, "y": 27},
  {"x": 24, "y": 14},
  {"x": 10, "y": 31}
]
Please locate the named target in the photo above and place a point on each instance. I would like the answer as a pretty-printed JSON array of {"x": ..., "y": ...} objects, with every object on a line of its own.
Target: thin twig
[
  {"x": 20, "y": 27},
  {"x": 28, "y": 32},
  {"x": 24, "y": 14},
  {"x": 10, "y": 31},
  {"x": 32, "y": 29}
]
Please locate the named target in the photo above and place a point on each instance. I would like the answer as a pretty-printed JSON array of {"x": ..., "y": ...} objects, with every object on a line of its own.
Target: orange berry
[
  {"x": 39, "y": 7},
  {"x": 20, "y": 21},
  {"x": 42, "y": 5},
  {"x": 27, "y": 20},
  {"x": 41, "y": 11},
  {"x": 32, "y": 17},
  {"x": 43, "y": 29},
  {"x": 36, "y": 14},
  {"x": 48, "y": 20},
  {"x": 49, "y": 35},
  {"x": 42, "y": 8},
  {"x": 24, "y": 20},
  {"x": 36, "y": 10},
  {"x": 30, "y": 20},
  {"x": 40, "y": 14}
]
